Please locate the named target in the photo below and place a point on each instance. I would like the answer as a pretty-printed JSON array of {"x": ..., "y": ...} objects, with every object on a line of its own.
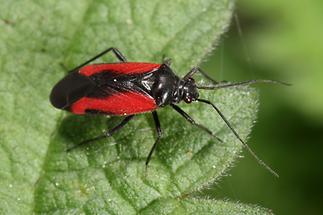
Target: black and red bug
[{"x": 130, "y": 88}]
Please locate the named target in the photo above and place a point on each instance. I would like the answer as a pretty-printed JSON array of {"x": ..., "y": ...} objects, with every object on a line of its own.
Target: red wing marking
[
  {"x": 124, "y": 103},
  {"x": 122, "y": 68}
]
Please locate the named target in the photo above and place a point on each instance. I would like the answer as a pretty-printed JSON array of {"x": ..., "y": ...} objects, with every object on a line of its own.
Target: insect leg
[
  {"x": 159, "y": 134},
  {"x": 106, "y": 134},
  {"x": 192, "y": 121},
  {"x": 115, "y": 51},
  {"x": 197, "y": 69}
]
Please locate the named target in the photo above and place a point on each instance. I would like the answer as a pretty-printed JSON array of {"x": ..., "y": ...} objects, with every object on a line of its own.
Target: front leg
[
  {"x": 198, "y": 69},
  {"x": 192, "y": 121}
]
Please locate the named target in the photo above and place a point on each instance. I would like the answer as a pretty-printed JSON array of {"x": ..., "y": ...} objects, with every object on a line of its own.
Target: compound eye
[{"x": 188, "y": 99}]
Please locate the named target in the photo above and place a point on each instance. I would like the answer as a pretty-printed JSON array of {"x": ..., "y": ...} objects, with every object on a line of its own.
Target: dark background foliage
[{"x": 281, "y": 40}]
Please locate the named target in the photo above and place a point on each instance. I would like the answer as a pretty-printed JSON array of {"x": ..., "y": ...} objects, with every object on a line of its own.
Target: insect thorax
[{"x": 170, "y": 89}]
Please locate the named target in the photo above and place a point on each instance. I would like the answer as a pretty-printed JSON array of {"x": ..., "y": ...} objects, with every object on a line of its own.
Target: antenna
[
  {"x": 262, "y": 163},
  {"x": 225, "y": 84}
]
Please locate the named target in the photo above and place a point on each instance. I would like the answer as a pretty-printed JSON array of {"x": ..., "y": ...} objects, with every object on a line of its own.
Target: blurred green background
[{"x": 280, "y": 40}]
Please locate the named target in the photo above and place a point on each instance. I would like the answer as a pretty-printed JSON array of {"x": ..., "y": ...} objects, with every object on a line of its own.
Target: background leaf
[
  {"x": 37, "y": 175},
  {"x": 289, "y": 46},
  {"x": 281, "y": 40}
]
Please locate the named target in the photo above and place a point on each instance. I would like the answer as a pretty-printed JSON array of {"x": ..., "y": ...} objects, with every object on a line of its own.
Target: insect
[{"x": 131, "y": 88}]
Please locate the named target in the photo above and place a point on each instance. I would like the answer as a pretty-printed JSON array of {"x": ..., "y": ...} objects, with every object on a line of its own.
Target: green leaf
[
  {"x": 38, "y": 176},
  {"x": 201, "y": 206}
]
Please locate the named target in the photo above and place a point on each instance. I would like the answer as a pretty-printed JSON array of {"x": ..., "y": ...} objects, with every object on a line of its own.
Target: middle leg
[{"x": 159, "y": 134}]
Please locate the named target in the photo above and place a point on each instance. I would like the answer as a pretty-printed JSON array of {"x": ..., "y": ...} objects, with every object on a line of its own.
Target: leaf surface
[{"x": 39, "y": 39}]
